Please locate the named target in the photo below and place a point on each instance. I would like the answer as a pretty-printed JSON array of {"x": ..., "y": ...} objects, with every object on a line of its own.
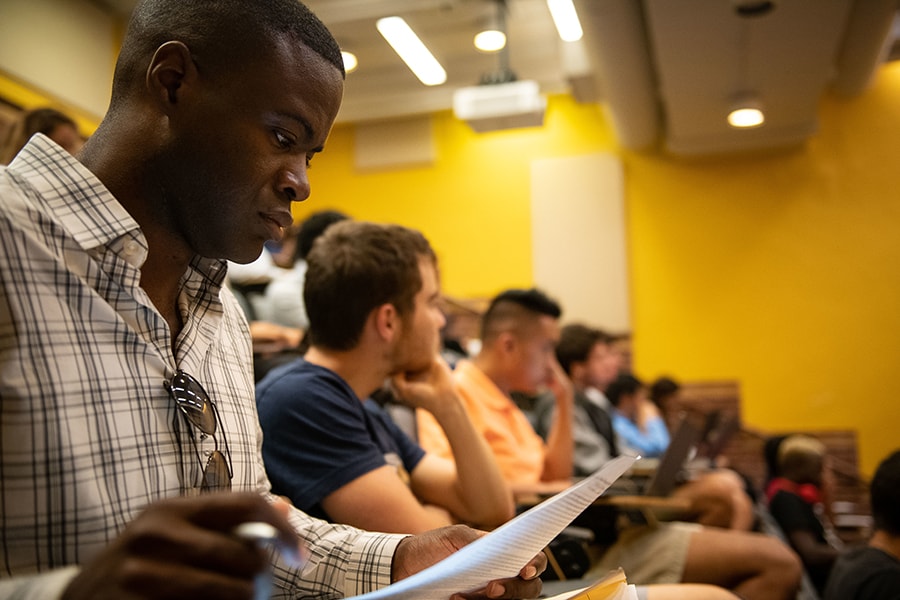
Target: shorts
[{"x": 648, "y": 554}]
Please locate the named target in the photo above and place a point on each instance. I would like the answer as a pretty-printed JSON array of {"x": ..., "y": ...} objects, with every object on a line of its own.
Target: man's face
[
  {"x": 534, "y": 355},
  {"x": 419, "y": 339},
  {"x": 238, "y": 150},
  {"x": 602, "y": 367}
]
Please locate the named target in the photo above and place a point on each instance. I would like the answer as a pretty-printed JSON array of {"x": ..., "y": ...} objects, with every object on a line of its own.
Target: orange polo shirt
[{"x": 518, "y": 449}]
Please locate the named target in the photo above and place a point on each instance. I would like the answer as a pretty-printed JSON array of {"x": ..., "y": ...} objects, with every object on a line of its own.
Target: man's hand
[
  {"x": 430, "y": 389},
  {"x": 184, "y": 548},
  {"x": 560, "y": 384},
  {"x": 421, "y": 551},
  {"x": 646, "y": 411}
]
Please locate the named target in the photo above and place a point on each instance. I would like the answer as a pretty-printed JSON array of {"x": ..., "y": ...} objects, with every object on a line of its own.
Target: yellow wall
[
  {"x": 28, "y": 97},
  {"x": 779, "y": 270},
  {"x": 69, "y": 59},
  {"x": 473, "y": 203}
]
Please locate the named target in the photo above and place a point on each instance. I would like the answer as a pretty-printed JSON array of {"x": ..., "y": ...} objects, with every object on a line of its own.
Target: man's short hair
[
  {"x": 885, "y": 495},
  {"x": 513, "y": 310},
  {"x": 624, "y": 384},
  {"x": 662, "y": 388},
  {"x": 219, "y": 33},
  {"x": 314, "y": 226},
  {"x": 576, "y": 341},
  {"x": 352, "y": 269}
]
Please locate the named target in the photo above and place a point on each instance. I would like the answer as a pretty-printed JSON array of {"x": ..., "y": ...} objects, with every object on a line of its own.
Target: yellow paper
[{"x": 608, "y": 587}]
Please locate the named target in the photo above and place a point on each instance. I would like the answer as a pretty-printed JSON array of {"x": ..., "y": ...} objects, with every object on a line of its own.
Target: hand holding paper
[{"x": 503, "y": 552}]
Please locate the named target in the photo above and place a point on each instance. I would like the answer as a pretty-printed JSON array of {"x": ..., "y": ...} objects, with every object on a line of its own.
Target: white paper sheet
[{"x": 503, "y": 552}]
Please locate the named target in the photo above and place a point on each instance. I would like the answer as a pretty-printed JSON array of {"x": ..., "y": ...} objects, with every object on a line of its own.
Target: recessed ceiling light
[
  {"x": 350, "y": 62},
  {"x": 490, "y": 40},
  {"x": 746, "y": 112}
]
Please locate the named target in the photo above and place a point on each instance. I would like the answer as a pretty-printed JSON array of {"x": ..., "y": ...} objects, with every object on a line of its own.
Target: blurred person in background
[{"x": 52, "y": 123}]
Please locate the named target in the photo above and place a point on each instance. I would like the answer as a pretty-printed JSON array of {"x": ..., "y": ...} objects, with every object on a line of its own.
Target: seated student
[
  {"x": 796, "y": 500},
  {"x": 372, "y": 297},
  {"x": 587, "y": 357},
  {"x": 281, "y": 321},
  {"x": 664, "y": 393},
  {"x": 249, "y": 280},
  {"x": 873, "y": 571},
  {"x": 519, "y": 334},
  {"x": 717, "y": 497},
  {"x": 55, "y": 125},
  {"x": 284, "y": 294},
  {"x": 637, "y": 420}
]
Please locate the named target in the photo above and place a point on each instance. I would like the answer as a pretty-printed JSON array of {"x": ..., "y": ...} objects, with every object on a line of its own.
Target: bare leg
[
  {"x": 753, "y": 565},
  {"x": 718, "y": 499},
  {"x": 688, "y": 591}
]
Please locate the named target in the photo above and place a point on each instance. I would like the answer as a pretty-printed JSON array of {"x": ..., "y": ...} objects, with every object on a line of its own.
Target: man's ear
[
  {"x": 507, "y": 342},
  {"x": 171, "y": 68},
  {"x": 386, "y": 321}
]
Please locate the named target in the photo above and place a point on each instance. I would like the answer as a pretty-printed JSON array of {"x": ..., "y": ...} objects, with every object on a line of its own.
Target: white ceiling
[
  {"x": 667, "y": 70},
  {"x": 687, "y": 59}
]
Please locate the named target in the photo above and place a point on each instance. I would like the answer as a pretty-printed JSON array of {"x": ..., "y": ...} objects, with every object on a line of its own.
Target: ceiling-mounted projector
[{"x": 496, "y": 106}]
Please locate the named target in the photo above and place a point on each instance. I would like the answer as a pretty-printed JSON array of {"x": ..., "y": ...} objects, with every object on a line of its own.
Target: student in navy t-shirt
[{"x": 372, "y": 297}]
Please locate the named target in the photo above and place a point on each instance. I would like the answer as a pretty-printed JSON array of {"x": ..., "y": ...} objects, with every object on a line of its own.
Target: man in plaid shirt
[{"x": 125, "y": 365}]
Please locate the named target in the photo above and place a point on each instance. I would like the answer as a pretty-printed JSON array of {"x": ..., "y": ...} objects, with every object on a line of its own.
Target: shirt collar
[
  {"x": 85, "y": 208},
  {"x": 597, "y": 397},
  {"x": 496, "y": 399}
]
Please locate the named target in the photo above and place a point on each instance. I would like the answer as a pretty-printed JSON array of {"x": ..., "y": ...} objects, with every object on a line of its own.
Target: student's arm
[
  {"x": 558, "y": 459},
  {"x": 812, "y": 552},
  {"x": 794, "y": 517},
  {"x": 381, "y": 501},
  {"x": 650, "y": 442},
  {"x": 652, "y": 425},
  {"x": 470, "y": 486}
]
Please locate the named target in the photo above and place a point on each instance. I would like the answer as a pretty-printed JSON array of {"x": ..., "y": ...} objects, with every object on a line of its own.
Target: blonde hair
[{"x": 800, "y": 458}]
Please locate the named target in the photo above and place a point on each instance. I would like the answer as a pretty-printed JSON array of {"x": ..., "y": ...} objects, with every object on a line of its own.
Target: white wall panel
[{"x": 578, "y": 228}]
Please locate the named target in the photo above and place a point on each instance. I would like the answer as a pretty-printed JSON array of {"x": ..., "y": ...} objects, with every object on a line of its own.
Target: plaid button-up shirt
[{"x": 88, "y": 433}]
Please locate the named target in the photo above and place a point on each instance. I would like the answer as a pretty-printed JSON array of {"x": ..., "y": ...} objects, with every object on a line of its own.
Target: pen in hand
[{"x": 266, "y": 536}]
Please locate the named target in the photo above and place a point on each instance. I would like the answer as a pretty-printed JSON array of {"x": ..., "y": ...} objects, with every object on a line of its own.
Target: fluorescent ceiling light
[
  {"x": 566, "y": 20},
  {"x": 350, "y": 61},
  {"x": 410, "y": 48},
  {"x": 490, "y": 40}
]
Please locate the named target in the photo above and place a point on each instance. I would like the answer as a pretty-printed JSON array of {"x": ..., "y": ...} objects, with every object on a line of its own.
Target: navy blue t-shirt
[{"x": 318, "y": 436}]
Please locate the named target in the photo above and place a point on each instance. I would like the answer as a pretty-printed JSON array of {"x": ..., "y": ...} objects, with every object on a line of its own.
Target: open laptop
[
  {"x": 683, "y": 443},
  {"x": 718, "y": 431}
]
